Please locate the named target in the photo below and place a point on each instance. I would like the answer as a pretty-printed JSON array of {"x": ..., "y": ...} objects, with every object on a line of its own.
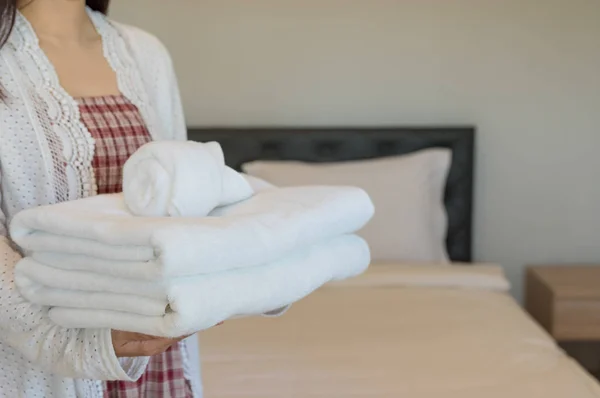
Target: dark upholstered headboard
[{"x": 312, "y": 144}]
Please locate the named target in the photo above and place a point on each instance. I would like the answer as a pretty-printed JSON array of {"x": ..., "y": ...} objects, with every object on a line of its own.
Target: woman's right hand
[{"x": 128, "y": 344}]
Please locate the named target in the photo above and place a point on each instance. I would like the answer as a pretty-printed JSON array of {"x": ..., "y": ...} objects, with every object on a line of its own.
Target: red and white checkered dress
[{"x": 119, "y": 130}]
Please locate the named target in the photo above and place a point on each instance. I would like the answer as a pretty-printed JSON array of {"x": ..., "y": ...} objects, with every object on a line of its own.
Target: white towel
[
  {"x": 171, "y": 178},
  {"x": 257, "y": 184},
  {"x": 257, "y": 231},
  {"x": 43, "y": 295},
  {"x": 198, "y": 303}
]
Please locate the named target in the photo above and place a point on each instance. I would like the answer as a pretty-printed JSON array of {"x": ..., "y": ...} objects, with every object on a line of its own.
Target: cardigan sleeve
[
  {"x": 169, "y": 89},
  {"x": 72, "y": 353},
  {"x": 158, "y": 73}
]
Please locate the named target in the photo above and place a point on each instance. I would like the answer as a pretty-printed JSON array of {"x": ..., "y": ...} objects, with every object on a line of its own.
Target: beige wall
[{"x": 526, "y": 72}]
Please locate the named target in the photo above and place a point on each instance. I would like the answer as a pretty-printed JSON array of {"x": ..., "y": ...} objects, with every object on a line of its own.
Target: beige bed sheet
[{"x": 366, "y": 338}]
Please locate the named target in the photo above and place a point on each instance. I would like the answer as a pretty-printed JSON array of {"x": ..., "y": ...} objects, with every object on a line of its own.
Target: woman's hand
[{"x": 127, "y": 344}]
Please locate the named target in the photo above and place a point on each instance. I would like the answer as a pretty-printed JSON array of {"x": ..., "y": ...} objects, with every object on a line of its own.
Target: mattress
[{"x": 397, "y": 331}]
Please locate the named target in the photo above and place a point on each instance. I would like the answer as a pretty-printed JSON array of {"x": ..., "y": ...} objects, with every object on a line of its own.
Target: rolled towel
[
  {"x": 258, "y": 184},
  {"x": 190, "y": 304},
  {"x": 180, "y": 179}
]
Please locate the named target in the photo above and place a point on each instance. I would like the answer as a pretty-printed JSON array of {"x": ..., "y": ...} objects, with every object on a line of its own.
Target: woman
[{"x": 79, "y": 95}]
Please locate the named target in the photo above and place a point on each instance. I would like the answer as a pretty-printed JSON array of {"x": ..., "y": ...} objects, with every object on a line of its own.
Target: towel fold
[
  {"x": 90, "y": 233},
  {"x": 40, "y": 284},
  {"x": 176, "y": 179},
  {"x": 190, "y": 304}
]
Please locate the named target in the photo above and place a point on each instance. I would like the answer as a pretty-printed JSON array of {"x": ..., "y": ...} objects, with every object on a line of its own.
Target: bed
[{"x": 403, "y": 329}]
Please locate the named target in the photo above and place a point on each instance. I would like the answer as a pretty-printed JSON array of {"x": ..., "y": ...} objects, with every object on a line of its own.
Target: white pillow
[{"x": 410, "y": 222}]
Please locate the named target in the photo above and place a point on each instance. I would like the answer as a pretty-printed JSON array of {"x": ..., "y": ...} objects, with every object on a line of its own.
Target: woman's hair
[{"x": 8, "y": 14}]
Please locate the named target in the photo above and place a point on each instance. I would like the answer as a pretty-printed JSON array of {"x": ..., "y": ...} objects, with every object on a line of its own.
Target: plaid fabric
[
  {"x": 163, "y": 378},
  {"x": 119, "y": 130}
]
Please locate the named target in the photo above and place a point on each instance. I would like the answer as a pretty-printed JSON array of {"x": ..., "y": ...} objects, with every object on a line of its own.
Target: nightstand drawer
[{"x": 576, "y": 319}]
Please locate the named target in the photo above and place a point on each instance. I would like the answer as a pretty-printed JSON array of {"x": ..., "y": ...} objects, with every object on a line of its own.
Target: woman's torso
[{"x": 47, "y": 152}]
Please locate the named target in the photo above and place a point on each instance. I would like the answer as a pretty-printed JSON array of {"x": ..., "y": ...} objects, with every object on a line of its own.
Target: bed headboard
[{"x": 312, "y": 144}]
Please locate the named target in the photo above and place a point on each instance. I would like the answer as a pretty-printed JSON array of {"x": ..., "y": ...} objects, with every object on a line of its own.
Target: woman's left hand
[{"x": 128, "y": 344}]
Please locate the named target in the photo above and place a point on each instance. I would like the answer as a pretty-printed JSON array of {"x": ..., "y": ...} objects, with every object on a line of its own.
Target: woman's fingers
[{"x": 127, "y": 344}]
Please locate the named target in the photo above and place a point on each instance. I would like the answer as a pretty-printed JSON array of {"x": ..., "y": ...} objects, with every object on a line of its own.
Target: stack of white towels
[{"x": 189, "y": 244}]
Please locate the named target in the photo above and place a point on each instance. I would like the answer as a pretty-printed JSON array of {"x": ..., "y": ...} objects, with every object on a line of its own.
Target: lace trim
[
  {"x": 119, "y": 56},
  {"x": 23, "y": 85},
  {"x": 69, "y": 140},
  {"x": 63, "y": 114}
]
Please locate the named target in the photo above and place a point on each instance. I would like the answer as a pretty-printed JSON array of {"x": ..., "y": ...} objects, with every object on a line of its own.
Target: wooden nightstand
[{"x": 565, "y": 300}]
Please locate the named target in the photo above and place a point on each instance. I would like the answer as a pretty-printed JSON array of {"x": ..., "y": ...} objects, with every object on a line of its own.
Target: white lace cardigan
[{"x": 45, "y": 158}]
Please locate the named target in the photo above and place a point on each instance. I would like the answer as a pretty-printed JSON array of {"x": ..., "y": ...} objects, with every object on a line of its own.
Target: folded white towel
[
  {"x": 29, "y": 275},
  {"x": 46, "y": 285},
  {"x": 197, "y": 303},
  {"x": 254, "y": 232},
  {"x": 171, "y": 178}
]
